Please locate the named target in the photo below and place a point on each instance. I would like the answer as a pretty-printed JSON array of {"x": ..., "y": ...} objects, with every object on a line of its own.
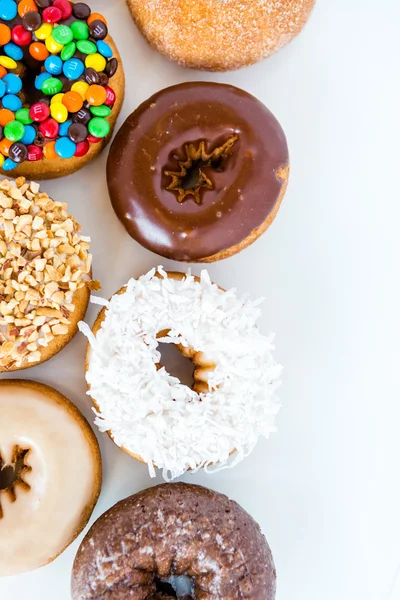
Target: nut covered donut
[
  {"x": 198, "y": 171},
  {"x": 174, "y": 541},
  {"x": 149, "y": 413},
  {"x": 50, "y": 474},
  {"x": 219, "y": 35},
  {"x": 61, "y": 86}
]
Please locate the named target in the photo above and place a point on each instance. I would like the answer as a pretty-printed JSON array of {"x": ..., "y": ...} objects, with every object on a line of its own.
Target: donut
[
  {"x": 149, "y": 413},
  {"x": 61, "y": 87},
  {"x": 219, "y": 36},
  {"x": 198, "y": 171},
  {"x": 45, "y": 275},
  {"x": 174, "y": 541},
  {"x": 50, "y": 475}
]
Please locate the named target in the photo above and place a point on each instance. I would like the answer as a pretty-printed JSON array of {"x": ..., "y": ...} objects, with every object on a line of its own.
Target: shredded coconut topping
[{"x": 152, "y": 414}]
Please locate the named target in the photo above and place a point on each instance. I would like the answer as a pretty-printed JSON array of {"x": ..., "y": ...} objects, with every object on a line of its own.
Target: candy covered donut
[
  {"x": 174, "y": 541},
  {"x": 50, "y": 474},
  {"x": 150, "y": 414},
  {"x": 61, "y": 87},
  {"x": 219, "y": 35}
]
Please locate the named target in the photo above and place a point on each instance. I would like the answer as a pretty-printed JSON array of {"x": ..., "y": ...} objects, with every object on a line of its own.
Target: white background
[{"x": 326, "y": 488}]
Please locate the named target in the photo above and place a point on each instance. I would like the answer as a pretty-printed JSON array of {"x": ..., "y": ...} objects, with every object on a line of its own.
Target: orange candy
[
  {"x": 96, "y": 17},
  {"x": 26, "y": 6},
  {"x": 72, "y": 101},
  {"x": 5, "y": 34},
  {"x": 38, "y": 51},
  {"x": 6, "y": 116},
  {"x": 96, "y": 95},
  {"x": 3, "y": 72},
  {"x": 5, "y": 145},
  {"x": 49, "y": 151}
]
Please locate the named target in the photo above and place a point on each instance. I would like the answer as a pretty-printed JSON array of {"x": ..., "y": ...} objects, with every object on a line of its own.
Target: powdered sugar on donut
[{"x": 152, "y": 414}]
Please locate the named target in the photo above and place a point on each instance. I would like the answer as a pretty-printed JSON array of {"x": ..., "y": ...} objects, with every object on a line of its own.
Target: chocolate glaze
[
  {"x": 245, "y": 184},
  {"x": 171, "y": 530}
]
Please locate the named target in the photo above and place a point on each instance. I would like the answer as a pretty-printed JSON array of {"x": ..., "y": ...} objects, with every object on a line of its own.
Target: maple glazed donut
[
  {"x": 50, "y": 475},
  {"x": 219, "y": 36},
  {"x": 174, "y": 541},
  {"x": 149, "y": 413},
  {"x": 198, "y": 171},
  {"x": 45, "y": 275},
  {"x": 61, "y": 87}
]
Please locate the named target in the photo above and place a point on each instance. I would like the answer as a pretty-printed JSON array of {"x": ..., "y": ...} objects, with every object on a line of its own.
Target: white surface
[{"x": 325, "y": 488}]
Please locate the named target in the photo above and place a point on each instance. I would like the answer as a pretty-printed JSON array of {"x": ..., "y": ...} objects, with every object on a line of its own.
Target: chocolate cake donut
[
  {"x": 198, "y": 171},
  {"x": 174, "y": 541}
]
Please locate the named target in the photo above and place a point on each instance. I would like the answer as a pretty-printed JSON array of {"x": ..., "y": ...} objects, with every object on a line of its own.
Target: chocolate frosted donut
[
  {"x": 174, "y": 541},
  {"x": 198, "y": 171}
]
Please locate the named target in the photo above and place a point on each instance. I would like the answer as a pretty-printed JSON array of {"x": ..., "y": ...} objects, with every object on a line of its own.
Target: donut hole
[
  {"x": 13, "y": 474},
  {"x": 177, "y": 586},
  {"x": 176, "y": 364}
]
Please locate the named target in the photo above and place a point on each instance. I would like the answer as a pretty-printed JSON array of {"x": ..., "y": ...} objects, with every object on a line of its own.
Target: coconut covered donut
[
  {"x": 50, "y": 474},
  {"x": 219, "y": 35},
  {"x": 45, "y": 275},
  {"x": 61, "y": 86},
  {"x": 150, "y": 414},
  {"x": 174, "y": 541}
]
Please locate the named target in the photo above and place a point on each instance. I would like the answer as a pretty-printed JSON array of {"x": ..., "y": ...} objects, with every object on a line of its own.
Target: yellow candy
[
  {"x": 59, "y": 112},
  {"x": 44, "y": 31},
  {"x": 8, "y": 63},
  {"x": 57, "y": 98},
  {"x": 1, "y": 160},
  {"x": 52, "y": 46},
  {"x": 80, "y": 87},
  {"x": 96, "y": 61}
]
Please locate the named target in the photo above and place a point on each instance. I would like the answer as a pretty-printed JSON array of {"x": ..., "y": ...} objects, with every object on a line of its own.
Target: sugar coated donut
[
  {"x": 50, "y": 474},
  {"x": 174, "y": 541},
  {"x": 198, "y": 171},
  {"x": 219, "y": 35},
  {"x": 150, "y": 414},
  {"x": 61, "y": 87},
  {"x": 45, "y": 275}
]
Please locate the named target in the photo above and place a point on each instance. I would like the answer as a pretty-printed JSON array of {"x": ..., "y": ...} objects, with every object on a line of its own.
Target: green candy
[
  {"x": 99, "y": 127},
  {"x": 62, "y": 34},
  {"x": 22, "y": 115},
  {"x": 14, "y": 131},
  {"x": 86, "y": 47},
  {"x": 52, "y": 86},
  {"x": 100, "y": 111},
  {"x": 79, "y": 30},
  {"x": 68, "y": 51}
]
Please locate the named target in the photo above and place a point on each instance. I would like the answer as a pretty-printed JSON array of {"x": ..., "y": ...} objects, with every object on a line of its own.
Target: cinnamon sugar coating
[
  {"x": 171, "y": 530},
  {"x": 219, "y": 35}
]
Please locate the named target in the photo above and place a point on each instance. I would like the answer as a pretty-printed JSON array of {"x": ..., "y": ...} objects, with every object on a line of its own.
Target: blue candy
[
  {"x": 54, "y": 65},
  {"x": 12, "y": 50},
  {"x": 9, "y": 165},
  {"x": 2, "y": 88},
  {"x": 8, "y": 11},
  {"x": 29, "y": 135},
  {"x": 63, "y": 129},
  {"x": 73, "y": 68},
  {"x": 12, "y": 102},
  {"x": 13, "y": 83},
  {"x": 40, "y": 79},
  {"x": 104, "y": 49},
  {"x": 65, "y": 147}
]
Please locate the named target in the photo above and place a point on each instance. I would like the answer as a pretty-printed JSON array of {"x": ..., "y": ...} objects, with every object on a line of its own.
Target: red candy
[
  {"x": 49, "y": 128},
  {"x": 92, "y": 139},
  {"x": 39, "y": 112},
  {"x": 52, "y": 14},
  {"x": 20, "y": 36},
  {"x": 34, "y": 152},
  {"x": 111, "y": 97},
  {"x": 64, "y": 6},
  {"x": 82, "y": 148}
]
